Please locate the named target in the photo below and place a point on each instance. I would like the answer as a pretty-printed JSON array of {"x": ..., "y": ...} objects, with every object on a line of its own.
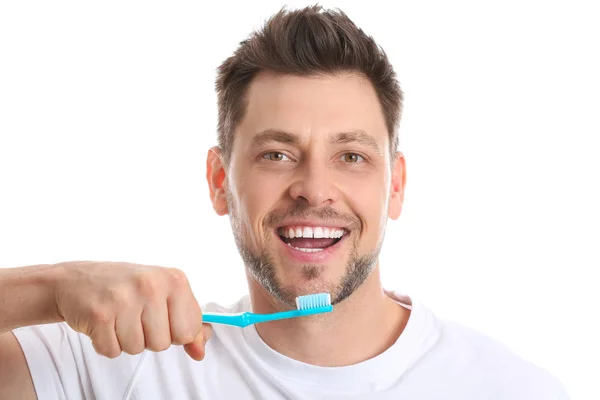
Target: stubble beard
[{"x": 262, "y": 269}]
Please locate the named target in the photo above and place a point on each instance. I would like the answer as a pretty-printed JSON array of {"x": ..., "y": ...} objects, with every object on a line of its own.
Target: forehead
[{"x": 312, "y": 105}]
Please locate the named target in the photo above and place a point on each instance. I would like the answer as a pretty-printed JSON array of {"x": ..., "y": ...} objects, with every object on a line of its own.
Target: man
[{"x": 308, "y": 170}]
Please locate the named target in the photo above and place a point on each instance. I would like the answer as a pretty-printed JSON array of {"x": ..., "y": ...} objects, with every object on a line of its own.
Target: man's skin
[
  {"x": 311, "y": 169},
  {"x": 314, "y": 172}
]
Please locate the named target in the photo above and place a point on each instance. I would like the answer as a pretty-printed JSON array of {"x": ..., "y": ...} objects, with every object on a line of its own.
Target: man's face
[{"x": 309, "y": 182}]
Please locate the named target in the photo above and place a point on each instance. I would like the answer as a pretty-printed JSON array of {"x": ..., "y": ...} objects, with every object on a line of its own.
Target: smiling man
[
  {"x": 310, "y": 184},
  {"x": 308, "y": 171}
]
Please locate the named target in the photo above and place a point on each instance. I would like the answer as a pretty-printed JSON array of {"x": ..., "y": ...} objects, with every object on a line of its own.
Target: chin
[{"x": 308, "y": 279}]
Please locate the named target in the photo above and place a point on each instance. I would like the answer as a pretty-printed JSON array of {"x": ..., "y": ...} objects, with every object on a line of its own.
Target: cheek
[
  {"x": 260, "y": 193},
  {"x": 258, "y": 196},
  {"x": 368, "y": 200}
]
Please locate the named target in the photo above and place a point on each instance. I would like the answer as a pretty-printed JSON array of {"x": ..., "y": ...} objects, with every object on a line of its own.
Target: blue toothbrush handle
[
  {"x": 256, "y": 318},
  {"x": 247, "y": 318},
  {"x": 240, "y": 319}
]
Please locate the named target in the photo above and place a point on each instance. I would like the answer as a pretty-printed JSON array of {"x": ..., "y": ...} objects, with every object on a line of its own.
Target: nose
[{"x": 313, "y": 185}]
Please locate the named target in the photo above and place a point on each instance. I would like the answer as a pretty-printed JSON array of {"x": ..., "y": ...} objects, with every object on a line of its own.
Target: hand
[{"x": 131, "y": 307}]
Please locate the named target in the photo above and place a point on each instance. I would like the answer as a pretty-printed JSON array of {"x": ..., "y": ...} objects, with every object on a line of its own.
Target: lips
[{"x": 312, "y": 255}]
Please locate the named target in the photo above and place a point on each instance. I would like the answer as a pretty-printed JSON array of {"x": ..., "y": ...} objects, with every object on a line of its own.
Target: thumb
[
  {"x": 196, "y": 348},
  {"x": 207, "y": 330}
]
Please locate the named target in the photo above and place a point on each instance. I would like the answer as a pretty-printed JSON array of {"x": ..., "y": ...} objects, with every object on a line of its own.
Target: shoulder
[{"x": 491, "y": 363}]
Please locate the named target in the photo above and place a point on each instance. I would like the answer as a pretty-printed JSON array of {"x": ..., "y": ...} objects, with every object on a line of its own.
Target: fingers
[
  {"x": 187, "y": 328},
  {"x": 151, "y": 330},
  {"x": 151, "y": 309},
  {"x": 197, "y": 348},
  {"x": 130, "y": 332},
  {"x": 185, "y": 315},
  {"x": 155, "y": 320},
  {"x": 207, "y": 329},
  {"x": 104, "y": 340}
]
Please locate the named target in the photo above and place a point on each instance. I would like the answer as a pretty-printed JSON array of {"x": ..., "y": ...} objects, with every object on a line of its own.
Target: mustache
[{"x": 305, "y": 211}]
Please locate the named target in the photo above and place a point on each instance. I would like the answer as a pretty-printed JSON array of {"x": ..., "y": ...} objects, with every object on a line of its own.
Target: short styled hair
[{"x": 305, "y": 42}]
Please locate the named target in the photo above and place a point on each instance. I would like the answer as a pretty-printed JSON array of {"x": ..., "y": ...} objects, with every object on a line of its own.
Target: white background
[{"x": 107, "y": 111}]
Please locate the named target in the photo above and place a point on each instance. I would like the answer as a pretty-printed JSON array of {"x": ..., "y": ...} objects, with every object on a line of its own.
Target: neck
[{"x": 359, "y": 328}]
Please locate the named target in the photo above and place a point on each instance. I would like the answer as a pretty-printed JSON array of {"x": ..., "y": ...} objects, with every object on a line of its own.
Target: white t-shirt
[{"x": 431, "y": 359}]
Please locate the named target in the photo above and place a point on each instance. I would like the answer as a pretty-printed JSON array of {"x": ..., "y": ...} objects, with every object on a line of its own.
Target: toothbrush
[{"x": 306, "y": 305}]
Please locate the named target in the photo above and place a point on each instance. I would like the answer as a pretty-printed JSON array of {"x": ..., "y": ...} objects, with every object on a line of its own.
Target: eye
[
  {"x": 352, "y": 158},
  {"x": 275, "y": 156}
]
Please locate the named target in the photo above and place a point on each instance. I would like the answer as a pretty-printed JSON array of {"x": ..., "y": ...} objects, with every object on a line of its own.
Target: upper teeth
[{"x": 310, "y": 232}]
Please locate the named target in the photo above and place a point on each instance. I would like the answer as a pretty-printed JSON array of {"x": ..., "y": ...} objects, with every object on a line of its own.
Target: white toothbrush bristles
[{"x": 313, "y": 301}]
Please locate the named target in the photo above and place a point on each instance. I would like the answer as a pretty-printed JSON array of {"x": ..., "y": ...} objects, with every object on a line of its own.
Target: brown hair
[{"x": 305, "y": 42}]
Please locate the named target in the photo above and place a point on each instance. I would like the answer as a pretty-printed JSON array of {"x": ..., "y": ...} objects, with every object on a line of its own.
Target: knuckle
[
  {"x": 178, "y": 277},
  {"x": 100, "y": 315},
  {"x": 135, "y": 348},
  {"x": 107, "y": 351},
  {"x": 147, "y": 285},
  {"x": 119, "y": 296},
  {"x": 113, "y": 353},
  {"x": 131, "y": 343},
  {"x": 183, "y": 337},
  {"x": 160, "y": 344}
]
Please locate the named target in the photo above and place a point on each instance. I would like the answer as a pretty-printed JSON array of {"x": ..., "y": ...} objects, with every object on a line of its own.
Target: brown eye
[
  {"x": 352, "y": 157},
  {"x": 274, "y": 156}
]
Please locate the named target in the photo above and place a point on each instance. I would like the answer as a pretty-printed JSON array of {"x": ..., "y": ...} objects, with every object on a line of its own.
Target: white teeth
[
  {"x": 318, "y": 232},
  {"x": 306, "y": 250},
  {"x": 309, "y": 250},
  {"x": 333, "y": 233}
]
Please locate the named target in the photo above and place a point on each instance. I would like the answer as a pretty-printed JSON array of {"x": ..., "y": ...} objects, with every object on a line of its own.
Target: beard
[{"x": 261, "y": 266}]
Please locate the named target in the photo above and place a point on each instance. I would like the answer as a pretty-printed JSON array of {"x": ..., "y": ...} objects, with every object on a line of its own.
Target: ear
[
  {"x": 397, "y": 186},
  {"x": 215, "y": 176}
]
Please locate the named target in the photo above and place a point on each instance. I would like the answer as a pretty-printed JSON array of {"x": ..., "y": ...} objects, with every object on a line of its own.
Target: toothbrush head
[{"x": 314, "y": 301}]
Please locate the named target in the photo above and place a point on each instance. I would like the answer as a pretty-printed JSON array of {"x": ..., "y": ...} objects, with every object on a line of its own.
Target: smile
[{"x": 311, "y": 243}]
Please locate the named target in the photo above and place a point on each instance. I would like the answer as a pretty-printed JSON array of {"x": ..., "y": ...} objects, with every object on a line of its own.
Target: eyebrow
[
  {"x": 356, "y": 136},
  {"x": 273, "y": 135}
]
